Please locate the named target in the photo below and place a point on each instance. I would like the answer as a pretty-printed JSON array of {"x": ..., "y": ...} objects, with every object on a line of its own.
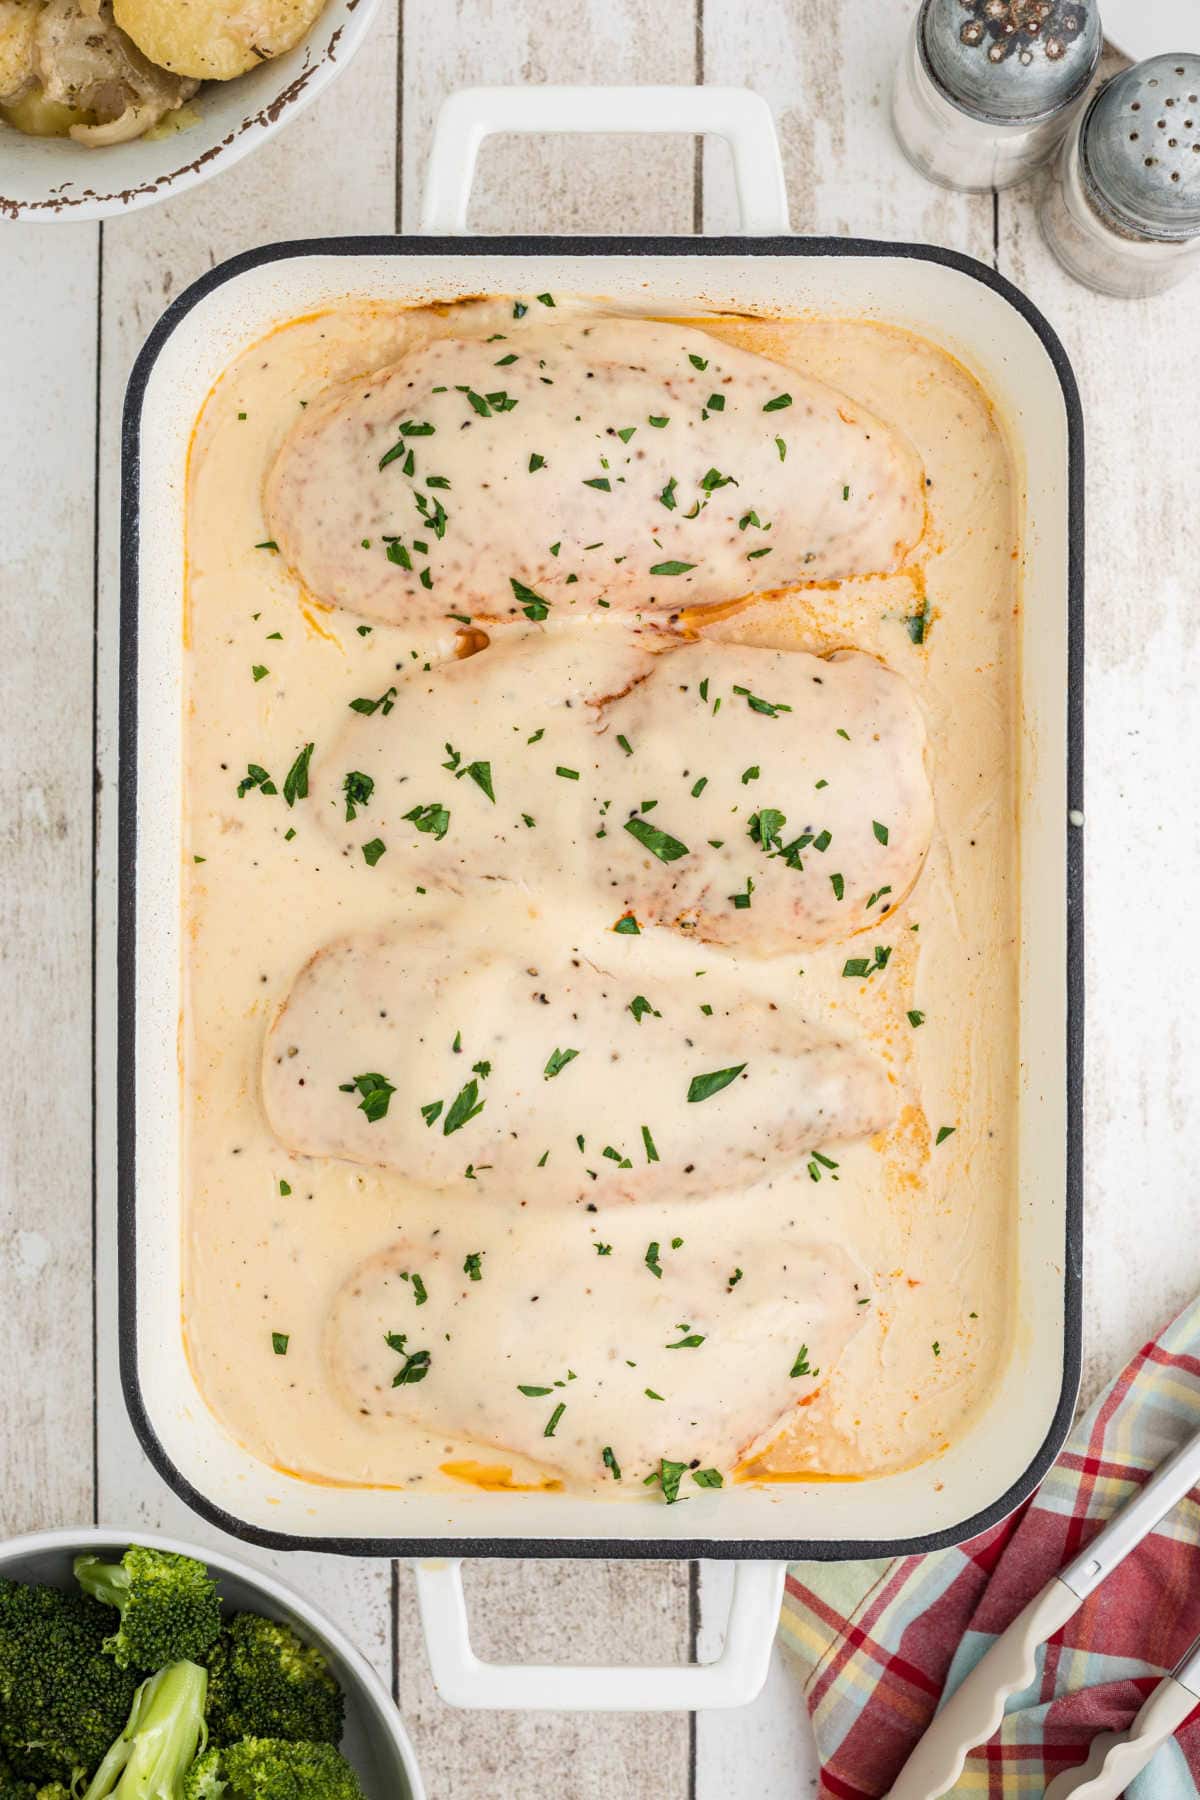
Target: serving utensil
[{"x": 974, "y": 1710}]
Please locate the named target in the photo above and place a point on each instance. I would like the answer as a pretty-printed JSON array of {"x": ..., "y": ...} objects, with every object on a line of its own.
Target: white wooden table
[{"x": 75, "y": 303}]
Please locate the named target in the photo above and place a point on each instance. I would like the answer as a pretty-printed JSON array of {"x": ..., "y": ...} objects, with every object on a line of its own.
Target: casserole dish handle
[
  {"x": 743, "y": 119},
  {"x": 734, "y": 1679}
]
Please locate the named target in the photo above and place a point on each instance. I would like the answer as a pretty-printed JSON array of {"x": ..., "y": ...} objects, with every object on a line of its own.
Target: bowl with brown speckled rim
[
  {"x": 55, "y": 178},
  {"x": 375, "y": 1741}
]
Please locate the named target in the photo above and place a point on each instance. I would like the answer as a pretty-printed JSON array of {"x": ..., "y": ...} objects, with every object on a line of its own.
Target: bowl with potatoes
[{"x": 110, "y": 105}]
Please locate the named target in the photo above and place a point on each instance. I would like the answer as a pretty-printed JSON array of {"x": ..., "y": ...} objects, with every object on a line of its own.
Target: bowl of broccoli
[{"x": 143, "y": 1671}]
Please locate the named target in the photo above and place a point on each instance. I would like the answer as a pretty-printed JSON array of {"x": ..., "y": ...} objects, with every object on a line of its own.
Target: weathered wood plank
[
  {"x": 543, "y": 184},
  {"x": 576, "y": 1611},
  {"x": 561, "y": 1612},
  {"x": 826, "y": 70},
  {"x": 47, "y": 448},
  {"x": 331, "y": 170},
  {"x": 1140, "y": 382}
]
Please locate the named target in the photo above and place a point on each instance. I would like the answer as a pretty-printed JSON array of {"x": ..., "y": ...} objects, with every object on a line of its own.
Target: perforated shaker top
[
  {"x": 1140, "y": 148},
  {"x": 1011, "y": 61}
]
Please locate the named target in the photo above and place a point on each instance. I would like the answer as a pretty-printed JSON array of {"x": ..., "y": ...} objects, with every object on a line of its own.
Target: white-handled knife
[{"x": 975, "y": 1708}]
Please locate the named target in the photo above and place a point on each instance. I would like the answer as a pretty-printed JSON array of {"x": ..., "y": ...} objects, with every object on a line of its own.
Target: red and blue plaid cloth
[{"x": 882, "y": 1641}]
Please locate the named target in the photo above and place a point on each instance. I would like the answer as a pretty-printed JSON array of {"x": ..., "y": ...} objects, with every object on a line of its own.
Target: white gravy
[{"x": 853, "y": 1307}]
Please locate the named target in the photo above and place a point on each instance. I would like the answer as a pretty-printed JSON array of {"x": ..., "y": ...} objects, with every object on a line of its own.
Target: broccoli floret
[
  {"x": 168, "y": 1605},
  {"x": 11, "y": 1788},
  {"x": 270, "y": 1769},
  {"x": 265, "y": 1683},
  {"x": 158, "y": 1745},
  {"x": 62, "y": 1700}
]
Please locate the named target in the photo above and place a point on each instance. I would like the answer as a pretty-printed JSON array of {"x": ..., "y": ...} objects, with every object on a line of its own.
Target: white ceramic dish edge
[
  {"x": 48, "y": 179},
  {"x": 996, "y": 333}
]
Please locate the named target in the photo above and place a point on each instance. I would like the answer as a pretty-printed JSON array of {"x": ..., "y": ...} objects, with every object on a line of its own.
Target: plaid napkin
[{"x": 881, "y": 1642}]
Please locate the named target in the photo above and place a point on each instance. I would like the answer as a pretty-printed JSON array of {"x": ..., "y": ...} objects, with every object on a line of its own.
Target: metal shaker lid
[
  {"x": 1140, "y": 148},
  {"x": 1011, "y": 61}
]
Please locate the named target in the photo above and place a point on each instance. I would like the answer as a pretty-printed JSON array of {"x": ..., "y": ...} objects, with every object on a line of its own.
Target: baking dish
[{"x": 996, "y": 333}]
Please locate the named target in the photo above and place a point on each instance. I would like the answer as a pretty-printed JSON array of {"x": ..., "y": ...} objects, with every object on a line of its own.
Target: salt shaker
[
  {"x": 1123, "y": 215},
  {"x": 986, "y": 88}
]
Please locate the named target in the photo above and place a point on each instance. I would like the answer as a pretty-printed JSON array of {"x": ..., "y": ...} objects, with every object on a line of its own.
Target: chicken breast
[
  {"x": 643, "y": 465},
  {"x": 504, "y": 1050},
  {"x": 594, "y": 1366},
  {"x": 763, "y": 799}
]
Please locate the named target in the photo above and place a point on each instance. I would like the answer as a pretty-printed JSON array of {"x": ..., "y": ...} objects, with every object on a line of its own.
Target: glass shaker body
[
  {"x": 1093, "y": 245},
  {"x": 955, "y": 144}
]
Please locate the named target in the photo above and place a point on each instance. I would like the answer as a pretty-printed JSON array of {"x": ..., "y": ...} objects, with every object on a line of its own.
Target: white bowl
[
  {"x": 375, "y": 1741},
  {"x": 55, "y": 178}
]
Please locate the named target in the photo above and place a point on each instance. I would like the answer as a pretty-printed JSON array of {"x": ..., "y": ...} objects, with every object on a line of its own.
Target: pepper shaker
[
  {"x": 986, "y": 88},
  {"x": 1123, "y": 215}
]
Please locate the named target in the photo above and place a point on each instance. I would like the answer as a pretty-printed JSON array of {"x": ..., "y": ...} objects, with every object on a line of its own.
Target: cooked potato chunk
[
  {"x": 18, "y": 25},
  {"x": 85, "y": 61},
  {"x": 214, "y": 40}
]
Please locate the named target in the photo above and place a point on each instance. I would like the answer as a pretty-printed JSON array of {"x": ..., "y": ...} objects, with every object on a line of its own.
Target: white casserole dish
[{"x": 1006, "y": 343}]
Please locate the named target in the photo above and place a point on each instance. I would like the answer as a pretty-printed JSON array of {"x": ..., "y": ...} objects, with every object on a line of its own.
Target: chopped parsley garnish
[
  {"x": 555, "y": 1416},
  {"x": 255, "y": 777},
  {"x": 708, "y": 1478},
  {"x": 279, "y": 1342},
  {"x": 464, "y": 1107},
  {"x": 945, "y": 1131},
  {"x": 285, "y": 1188},
  {"x": 671, "y": 568},
  {"x": 782, "y": 449},
  {"x": 567, "y": 774},
  {"x": 473, "y": 1266},
  {"x": 667, "y": 497},
  {"x": 532, "y": 605},
  {"x": 669, "y": 1475},
  {"x": 558, "y": 1061},
  {"x": 668, "y": 849},
  {"x": 627, "y": 926},
  {"x": 384, "y": 704},
  {"x": 881, "y": 831},
  {"x": 801, "y": 1364},
  {"x": 373, "y": 850},
  {"x": 703, "y": 1087},
  {"x": 376, "y": 1092},
  {"x": 415, "y": 1366},
  {"x": 639, "y": 1006},
  {"x": 715, "y": 403},
  {"x": 769, "y": 708},
  {"x": 734, "y": 1279},
  {"x": 863, "y": 966},
  {"x": 533, "y": 1393},
  {"x": 610, "y": 1462},
  {"x": 916, "y": 1018},
  {"x": 430, "y": 818},
  {"x": 697, "y": 362},
  {"x": 691, "y": 1340},
  {"x": 258, "y": 670},
  {"x": 839, "y": 886},
  {"x": 649, "y": 1145},
  {"x": 358, "y": 789},
  {"x": 651, "y": 1260},
  {"x": 778, "y": 403}
]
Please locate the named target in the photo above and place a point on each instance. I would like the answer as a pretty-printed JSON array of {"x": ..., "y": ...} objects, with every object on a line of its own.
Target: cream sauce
[{"x": 885, "y": 1262}]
